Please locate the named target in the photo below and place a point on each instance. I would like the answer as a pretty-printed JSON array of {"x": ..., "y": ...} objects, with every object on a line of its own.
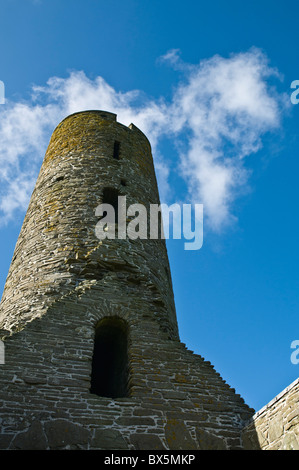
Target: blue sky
[{"x": 209, "y": 83}]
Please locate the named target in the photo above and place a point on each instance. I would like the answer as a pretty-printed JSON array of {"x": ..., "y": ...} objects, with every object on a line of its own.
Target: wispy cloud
[
  {"x": 217, "y": 116},
  {"x": 224, "y": 106}
]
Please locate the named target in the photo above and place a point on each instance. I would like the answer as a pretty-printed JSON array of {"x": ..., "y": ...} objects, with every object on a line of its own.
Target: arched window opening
[{"x": 109, "y": 377}]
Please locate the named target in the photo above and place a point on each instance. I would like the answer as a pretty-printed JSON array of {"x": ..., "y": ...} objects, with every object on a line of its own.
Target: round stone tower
[
  {"x": 91, "y": 159},
  {"x": 93, "y": 358}
]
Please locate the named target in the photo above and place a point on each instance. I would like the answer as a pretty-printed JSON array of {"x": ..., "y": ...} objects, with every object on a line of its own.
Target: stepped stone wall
[
  {"x": 276, "y": 426},
  {"x": 176, "y": 399}
]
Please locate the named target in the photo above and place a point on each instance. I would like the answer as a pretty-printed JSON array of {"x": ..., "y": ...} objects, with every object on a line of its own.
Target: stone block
[
  {"x": 63, "y": 434},
  {"x": 177, "y": 436},
  {"x": 146, "y": 442},
  {"x": 209, "y": 441},
  {"x": 108, "y": 439},
  {"x": 32, "y": 439}
]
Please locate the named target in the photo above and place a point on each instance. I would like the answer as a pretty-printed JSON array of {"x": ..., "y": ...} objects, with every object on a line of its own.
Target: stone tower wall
[
  {"x": 63, "y": 281},
  {"x": 57, "y": 251},
  {"x": 176, "y": 401}
]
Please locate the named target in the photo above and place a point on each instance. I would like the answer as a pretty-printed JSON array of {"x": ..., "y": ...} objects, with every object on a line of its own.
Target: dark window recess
[
  {"x": 60, "y": 178},
  {"x": 110, "y": 196},
  {"x": 109, "y": 376},
  {"x": 116, "y": 150}
]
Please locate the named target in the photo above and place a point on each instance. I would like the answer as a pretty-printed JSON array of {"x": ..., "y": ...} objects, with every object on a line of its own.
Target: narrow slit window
[
  {"x": 109, "y": 376},
  {"x": 116, "y": 150},
  {"x": 110, "y": 196}
]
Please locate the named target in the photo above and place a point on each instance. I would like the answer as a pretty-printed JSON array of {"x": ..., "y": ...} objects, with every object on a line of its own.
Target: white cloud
[
  {"x": 224, "y": 106},
  {"x": 217, "y": 116}
]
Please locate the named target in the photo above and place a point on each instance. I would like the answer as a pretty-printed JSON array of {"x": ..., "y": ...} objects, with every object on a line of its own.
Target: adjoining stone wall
[{"x": 276, "y": 426}]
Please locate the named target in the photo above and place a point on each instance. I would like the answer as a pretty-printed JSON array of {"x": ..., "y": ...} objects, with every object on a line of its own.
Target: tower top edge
[{"x": 105, "y": 116}]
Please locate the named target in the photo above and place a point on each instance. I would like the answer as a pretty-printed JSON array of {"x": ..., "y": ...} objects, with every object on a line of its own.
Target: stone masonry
[
  {"x": 275, "y": 426},
  {"x": 64, "y": 284}
]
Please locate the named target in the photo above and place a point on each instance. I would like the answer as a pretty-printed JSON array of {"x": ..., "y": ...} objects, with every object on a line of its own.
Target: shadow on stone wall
[{"x": 249, "y": 437}]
